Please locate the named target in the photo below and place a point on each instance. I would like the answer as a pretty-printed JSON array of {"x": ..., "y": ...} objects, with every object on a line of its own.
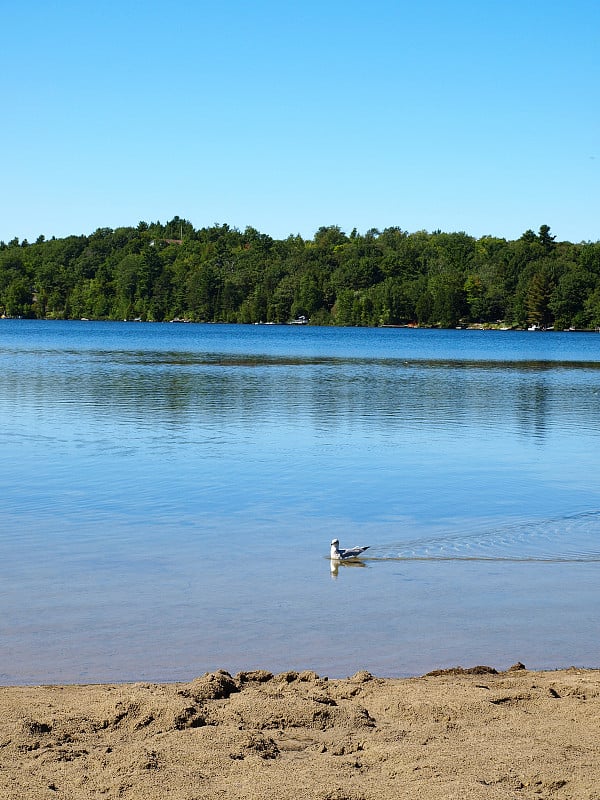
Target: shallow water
[{"x": 169, "y": 493}]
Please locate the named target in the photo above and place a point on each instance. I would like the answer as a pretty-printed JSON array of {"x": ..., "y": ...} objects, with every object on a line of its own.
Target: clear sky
[{"x": 470, "y": 116}]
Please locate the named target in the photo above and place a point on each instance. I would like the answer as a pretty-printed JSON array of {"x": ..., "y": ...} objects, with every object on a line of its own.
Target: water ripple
[{"x": 571, "y": 538}]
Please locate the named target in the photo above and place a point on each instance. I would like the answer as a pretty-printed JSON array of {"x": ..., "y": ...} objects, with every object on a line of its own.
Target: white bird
[{"x": 344, "y": 555}]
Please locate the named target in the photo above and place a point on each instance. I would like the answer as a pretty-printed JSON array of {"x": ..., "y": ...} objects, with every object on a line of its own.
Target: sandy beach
[{"x": 457, "y": 733}]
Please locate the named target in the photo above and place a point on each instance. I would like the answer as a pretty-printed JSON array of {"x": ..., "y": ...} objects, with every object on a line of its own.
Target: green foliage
[{"x": 220, "y": 274}]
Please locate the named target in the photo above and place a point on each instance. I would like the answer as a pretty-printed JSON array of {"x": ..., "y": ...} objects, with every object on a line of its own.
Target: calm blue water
[{"x": 168, "y": 494}]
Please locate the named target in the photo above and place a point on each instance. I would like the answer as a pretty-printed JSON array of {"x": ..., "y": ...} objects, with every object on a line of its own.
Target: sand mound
[{"x": 460, "y": 733}]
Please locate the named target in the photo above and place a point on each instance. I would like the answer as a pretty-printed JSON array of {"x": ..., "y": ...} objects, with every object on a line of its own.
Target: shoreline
[
  {"x": 288, "y": 675},
  {"x": 474, "y": 732}
]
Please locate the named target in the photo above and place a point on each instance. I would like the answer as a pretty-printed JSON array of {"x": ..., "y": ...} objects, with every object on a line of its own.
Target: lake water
[{"x": 168, "y": 494}]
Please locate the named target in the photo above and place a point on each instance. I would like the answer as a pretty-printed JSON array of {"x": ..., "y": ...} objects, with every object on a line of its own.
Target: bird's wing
[{"x": 352, "y": 552}]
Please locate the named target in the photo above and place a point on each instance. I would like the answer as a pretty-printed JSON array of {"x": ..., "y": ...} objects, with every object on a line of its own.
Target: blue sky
[{"x": 473, "y": 116}]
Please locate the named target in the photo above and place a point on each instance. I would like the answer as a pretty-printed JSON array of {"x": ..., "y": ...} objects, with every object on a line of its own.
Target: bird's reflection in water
[{"x": 335, "y": 564}]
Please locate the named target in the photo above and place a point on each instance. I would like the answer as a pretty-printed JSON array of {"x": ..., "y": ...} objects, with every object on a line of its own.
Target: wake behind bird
[{"x": 569, "y": 538}]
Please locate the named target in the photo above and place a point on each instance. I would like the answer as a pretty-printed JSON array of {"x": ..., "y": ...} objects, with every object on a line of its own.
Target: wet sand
[{"x": 453, "y": 734}]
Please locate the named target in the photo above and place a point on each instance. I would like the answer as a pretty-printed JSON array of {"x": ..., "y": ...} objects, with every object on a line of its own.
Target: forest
[{"x": 164, "y": 272}]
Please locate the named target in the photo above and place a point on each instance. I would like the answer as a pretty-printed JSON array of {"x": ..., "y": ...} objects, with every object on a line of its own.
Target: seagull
[{"x": 344, "y": 555}]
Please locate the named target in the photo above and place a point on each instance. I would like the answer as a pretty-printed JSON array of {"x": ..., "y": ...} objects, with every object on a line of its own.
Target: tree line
[{"x": 172, "y": 271}]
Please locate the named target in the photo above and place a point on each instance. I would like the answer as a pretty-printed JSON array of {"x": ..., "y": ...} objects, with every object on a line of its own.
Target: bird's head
[{"x": 335, "y": 542}]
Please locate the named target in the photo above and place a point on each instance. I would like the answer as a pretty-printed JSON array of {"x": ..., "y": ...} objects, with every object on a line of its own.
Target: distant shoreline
[{"x": 293, "y": 323}]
